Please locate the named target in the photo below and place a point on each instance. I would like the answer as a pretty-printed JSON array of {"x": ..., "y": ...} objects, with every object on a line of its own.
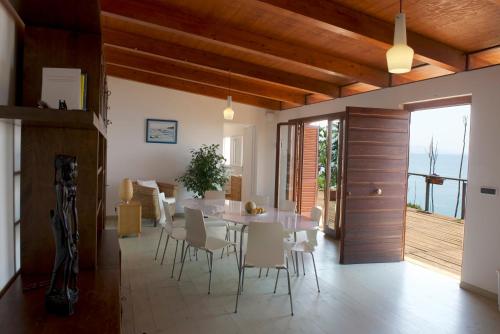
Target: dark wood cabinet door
[{"x": 375, "y": 183}]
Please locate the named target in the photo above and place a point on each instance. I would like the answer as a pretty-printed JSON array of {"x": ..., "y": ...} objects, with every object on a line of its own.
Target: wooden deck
[{"x": 435, "y": 241}]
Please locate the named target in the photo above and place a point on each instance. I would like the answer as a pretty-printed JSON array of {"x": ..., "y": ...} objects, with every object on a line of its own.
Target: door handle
[{"x": 378, "y": 191}]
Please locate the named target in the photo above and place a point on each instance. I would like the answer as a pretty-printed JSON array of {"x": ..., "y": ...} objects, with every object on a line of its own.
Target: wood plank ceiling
[{"x": 280, "y": 54}]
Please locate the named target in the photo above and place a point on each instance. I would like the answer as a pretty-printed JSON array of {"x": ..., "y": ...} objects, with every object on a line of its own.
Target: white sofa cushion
[
  {"x": 148, "y": 183},
  {"x": 170, "y": 200}
]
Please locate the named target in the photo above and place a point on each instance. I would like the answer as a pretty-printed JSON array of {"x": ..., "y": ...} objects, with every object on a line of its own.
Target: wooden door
[
  {"x": 309, "y": 182},
  {"x": 375, "y": 185}
]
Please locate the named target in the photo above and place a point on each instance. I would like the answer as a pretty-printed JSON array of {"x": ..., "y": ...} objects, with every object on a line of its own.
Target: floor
[
  {"x": 372, "y": 298},
  {"x": 435, "y": 241}
]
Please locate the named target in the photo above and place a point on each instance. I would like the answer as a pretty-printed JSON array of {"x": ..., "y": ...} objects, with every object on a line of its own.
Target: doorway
[
  {"x": 365, "y": 176},
  {"x": 437, "y": 184},
  {"x": 308, "y": 169}
]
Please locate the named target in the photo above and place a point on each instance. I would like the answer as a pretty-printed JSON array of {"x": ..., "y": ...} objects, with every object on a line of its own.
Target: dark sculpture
[{"x": 62, "y": 293}]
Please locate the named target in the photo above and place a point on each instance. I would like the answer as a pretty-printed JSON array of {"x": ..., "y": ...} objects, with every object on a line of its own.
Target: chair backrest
[
  {"x": 261, "y": 200},
  {"x": 265, "y": 245},
  {"x": 312, "y": 235},
  {"x": 196, "y": 234},
  {"x": 215, "y": 194},
  {"x": 167, "y": 222},
  {"x": 286, "y": 205},
  {"x": 161, "y": 200},
  {"x": 312, "y": 238},
  {"x": 316, "y": 214}
]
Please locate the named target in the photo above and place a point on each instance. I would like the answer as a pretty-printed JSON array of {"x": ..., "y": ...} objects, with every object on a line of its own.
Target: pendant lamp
[
  {"x": 229, "y": 112},
  {"x": 400, "y": 55}
]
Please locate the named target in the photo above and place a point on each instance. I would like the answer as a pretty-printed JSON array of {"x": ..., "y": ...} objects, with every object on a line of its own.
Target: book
[
  {"x": 83, "y": 91},
  {"x": 62, "y": 84}
]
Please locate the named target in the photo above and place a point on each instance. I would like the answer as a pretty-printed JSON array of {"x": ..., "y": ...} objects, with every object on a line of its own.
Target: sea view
[{"x": 445, "y": 196}]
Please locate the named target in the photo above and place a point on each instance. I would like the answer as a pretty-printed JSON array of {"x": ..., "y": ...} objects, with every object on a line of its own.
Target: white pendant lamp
[
  {"x": 400, "y": 55},
  {"x": 229, "y": 112}
]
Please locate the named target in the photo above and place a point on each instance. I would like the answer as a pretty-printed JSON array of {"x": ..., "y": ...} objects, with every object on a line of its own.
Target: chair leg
[
  {"x": 210, "y": 271},
  {"x": 315, "y": 272},
  {"x": 159, "y": 241},
  {"x": 303, "y": 267},
  {"x": 243, "y": 280},
  {"x": 260, "y": 272},
  {"x": 165, "y": 249},
  {"x": 276, "y": 283},
  {"x": 183, "y": 259},
  {"x": 208, "y": 261},
  {"x": 293, "y": 262},
  {"x": 289, "y": 290},
  {"x": 237, "y": 261},
  {"x": 239, "y": 290},
  {"x": 297, "y": 263},
  {"x": 175, "y": 258},
  {"x": 267, "y": 272}
]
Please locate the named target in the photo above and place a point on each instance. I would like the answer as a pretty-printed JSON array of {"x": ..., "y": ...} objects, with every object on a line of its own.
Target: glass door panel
[{"x": 286, "y": 163}]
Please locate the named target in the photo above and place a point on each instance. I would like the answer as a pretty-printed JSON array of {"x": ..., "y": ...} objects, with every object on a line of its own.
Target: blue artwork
[{"x": 161, "y": 131}]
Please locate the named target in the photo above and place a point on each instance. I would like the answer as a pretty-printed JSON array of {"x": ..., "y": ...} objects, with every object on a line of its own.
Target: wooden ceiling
[{"x": 280, "y": 54}]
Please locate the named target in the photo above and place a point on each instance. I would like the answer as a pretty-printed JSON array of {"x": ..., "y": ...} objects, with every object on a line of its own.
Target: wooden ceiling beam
[
  {"x": 151, "y": 46},
  {"x": 356, "y": 88},
  {"x": 354, "y": 24},
  {"x": 188, "y": 86},
  {"x": 188, "y": 72},
  {"x": 171, "y": 18}
]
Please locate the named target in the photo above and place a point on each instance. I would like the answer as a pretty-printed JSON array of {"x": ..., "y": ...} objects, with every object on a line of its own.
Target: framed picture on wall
[{"x": 161, "y": 131}]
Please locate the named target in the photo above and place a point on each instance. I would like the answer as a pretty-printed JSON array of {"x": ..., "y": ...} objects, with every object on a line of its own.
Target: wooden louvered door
[
  {"x": 375, "y": 185},
  {"x": 309, "y": 169}
]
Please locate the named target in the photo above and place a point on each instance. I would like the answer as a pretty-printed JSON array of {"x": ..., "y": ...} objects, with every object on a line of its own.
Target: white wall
[
  {"x": 200, "y": 121},
  {"x": 482, "y": 224},
  {"x": 7, "y": 85}
]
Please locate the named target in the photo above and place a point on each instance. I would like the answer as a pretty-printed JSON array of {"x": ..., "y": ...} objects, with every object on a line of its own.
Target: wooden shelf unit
[{"x": 48, "y": 132}]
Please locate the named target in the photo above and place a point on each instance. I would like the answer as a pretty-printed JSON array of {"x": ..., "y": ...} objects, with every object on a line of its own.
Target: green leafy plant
[
  {"x": 322, "y": 158},
  {"x": 206, "y": 171},
  {"x": 414, "y": 206}
]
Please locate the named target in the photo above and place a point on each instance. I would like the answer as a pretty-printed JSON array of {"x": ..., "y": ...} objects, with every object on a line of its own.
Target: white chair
[
  {"x": 286, "y": 205},
  {"x": 309, "y": 245},
  {"x": 265, "y": 249},
  {"x": 197, "y": 238},
  {"x": 215, "y": 195},
  {"x": 176, "y": 231}
]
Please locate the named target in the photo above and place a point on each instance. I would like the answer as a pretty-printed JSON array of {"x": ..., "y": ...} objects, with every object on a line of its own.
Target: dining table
[{"x": 234, "y": 212}]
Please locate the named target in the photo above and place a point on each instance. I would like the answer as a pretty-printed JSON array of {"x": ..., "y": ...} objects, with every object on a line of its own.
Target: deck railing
[{"x": 438, "y": 180}]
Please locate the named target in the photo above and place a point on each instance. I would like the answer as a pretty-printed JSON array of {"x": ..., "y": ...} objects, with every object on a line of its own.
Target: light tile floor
[{"x": 369, "y": 298}]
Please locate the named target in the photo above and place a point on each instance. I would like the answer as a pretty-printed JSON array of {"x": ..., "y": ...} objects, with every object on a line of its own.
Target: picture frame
[{"x": 161, "y": 131}]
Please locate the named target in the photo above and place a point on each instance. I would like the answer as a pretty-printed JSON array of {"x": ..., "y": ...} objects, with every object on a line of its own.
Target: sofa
[{"x": 147, "y": 194}]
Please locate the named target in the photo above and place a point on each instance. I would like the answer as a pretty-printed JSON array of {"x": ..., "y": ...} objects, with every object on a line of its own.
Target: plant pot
[{"x": 434, "y": 179}]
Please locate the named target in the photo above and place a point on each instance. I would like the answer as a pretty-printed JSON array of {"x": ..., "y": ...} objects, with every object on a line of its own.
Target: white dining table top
[{"x": 234, "y": 211}]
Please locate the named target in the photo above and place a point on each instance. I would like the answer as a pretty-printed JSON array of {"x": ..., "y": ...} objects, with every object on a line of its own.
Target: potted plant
[{"x": 206, "y": 171}]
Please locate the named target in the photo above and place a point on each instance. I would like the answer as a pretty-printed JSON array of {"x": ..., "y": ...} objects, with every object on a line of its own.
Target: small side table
[{"x": 129, "y": 218}]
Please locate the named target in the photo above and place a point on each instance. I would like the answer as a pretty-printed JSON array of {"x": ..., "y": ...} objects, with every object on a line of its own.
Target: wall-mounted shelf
[{"x": 74, "y": 119}]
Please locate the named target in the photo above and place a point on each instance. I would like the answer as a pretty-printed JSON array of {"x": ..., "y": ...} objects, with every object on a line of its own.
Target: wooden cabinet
[
  {"x": 129, "y": 218},
  {"x": 236, "y": 188}
]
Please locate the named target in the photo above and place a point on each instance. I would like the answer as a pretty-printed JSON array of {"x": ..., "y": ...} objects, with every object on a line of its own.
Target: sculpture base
[{"x": 60, "y": 303}]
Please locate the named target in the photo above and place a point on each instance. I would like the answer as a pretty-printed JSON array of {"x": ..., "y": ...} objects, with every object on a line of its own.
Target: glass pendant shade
[
  {"x": 400, "y": 55},
  {"x": 229, "y": 112}
]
